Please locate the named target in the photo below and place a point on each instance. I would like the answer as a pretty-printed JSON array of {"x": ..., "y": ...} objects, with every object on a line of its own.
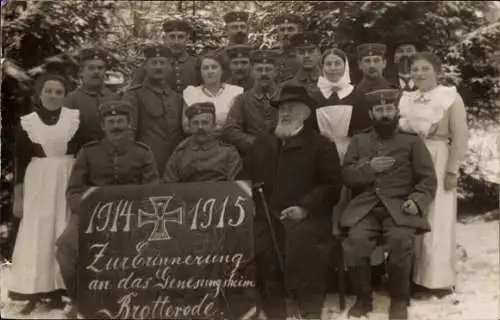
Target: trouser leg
[
  {"x": 400, "y": 243},
  {"x": 269, "y": 276},
  {"x": 307, "y": 252},
  {"x": 358, "y": 246}
]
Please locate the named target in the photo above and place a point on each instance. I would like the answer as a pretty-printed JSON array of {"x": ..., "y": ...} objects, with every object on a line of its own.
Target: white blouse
[{"x": 223, "y": 101}]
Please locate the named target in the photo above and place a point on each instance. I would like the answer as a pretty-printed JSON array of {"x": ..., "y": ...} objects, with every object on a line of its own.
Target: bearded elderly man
[
  {"x": 202, "y": 157},
  {"x": 392, "y": 179},
  {"x": 300, "y": 173}
]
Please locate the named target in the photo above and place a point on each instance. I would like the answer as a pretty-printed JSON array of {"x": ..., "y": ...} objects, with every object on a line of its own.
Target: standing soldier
[
  {"x": 308, "y": 55},
  {"x": 402, "y": 51},
  {"x": 237, "y": 27},
  {"x": 372, "y": 62},
  {"x": 157, "y": 109},
  {"x": 287, "y": 25},
  {"x": 202, "y": 157},
  {"x": 239, "y": 64},
  {"x": 91, "y": 94},
  {"x": 114, "y": 160},
  {"x": 183, "y": 67},
  {"x": 251, "y": 114}
]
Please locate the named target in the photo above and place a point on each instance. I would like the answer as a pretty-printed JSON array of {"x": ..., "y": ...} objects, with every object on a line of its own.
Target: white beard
[{"x": 287, "y": 129}]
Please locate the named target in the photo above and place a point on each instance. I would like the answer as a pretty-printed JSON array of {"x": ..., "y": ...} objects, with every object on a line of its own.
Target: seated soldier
[
  {"x": 114, "y": 160},
  {"x": 392, "y": 178},
  {"x": 202, "y": 157}
]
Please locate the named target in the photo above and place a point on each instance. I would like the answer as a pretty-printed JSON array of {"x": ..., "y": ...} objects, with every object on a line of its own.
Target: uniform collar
[
  {"x": 182, "y": 57},
  {"x": 195, "y": 146},
  {"x": 304, "y": 75},
  {"x": 102, "y": 90},
  {"x": 271, "y": 95},
  {"x": 118, "y": 147},
  {"x": 155, "y": 88}
]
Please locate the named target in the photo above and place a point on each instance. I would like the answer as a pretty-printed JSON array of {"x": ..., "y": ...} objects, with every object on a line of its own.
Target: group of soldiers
[{"x": 136, "y": 137}]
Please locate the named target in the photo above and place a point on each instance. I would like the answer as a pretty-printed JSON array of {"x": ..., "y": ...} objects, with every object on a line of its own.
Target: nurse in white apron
[{"x": 437, "y": 114}]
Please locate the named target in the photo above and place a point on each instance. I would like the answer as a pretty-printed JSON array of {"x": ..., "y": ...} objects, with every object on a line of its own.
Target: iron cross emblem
[{"x": 160, "y": 217}]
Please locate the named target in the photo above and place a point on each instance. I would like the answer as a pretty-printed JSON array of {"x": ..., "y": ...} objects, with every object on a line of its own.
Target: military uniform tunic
[
  {"x": 88, "y": 102},
  {"x": 411, "y": 177},
  {"x": 287, "y": 63},
  {"x": 184, "y": 73},
  {"x": 211, "y": 161},
  {"x": 100, "y": 163},
  {"x": 157, "y": 119},
  {"x": 250, "y": 116}
]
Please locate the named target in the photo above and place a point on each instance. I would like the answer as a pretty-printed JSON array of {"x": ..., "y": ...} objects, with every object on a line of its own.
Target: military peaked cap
[
  {"x": 371, "y": 49},
  {"x": 156, "y": 51},
  {"x": 113, "y": 108},
  {"x": 177, "y": 25},
  {"x": 293, "y": 93},
  {"x": 264, "y": 56},
  {"x": 92, "y": 54},
  {"x": 305, "y": 39},
  {"x": 289, "y": 18},
  {"x": 236, "y": 16},
  {"x": 383, "y": 96},
  {"x": 200, "y": 108},
  {"x": 238, "y": 51}
]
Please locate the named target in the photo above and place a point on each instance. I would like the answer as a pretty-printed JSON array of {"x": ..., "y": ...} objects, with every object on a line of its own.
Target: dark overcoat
[{"x": 304, "y": 171}]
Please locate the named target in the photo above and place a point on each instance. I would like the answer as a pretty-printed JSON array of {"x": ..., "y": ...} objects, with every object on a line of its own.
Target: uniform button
[{"x": 178, "y": 81}]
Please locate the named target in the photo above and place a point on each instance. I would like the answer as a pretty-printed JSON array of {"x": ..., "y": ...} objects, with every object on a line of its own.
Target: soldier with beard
[
  {"x": 251, "y": 113},
  {"x": 114, "y": 160},
  {"x": 392, "y": 178},
  {"x": 287, "y": 25},
  {"x": 202, "y": 157},
  {"x": 399, "y": 73},
  {"x": 237, "y": 27},
  {"x": 239, "y": 64},
  {"x": 157, "y": 110},
  {"x": 91, "y": 94}
]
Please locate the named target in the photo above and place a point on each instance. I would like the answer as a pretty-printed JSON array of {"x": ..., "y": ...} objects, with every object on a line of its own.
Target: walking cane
[{"x": 260, "y": 190}]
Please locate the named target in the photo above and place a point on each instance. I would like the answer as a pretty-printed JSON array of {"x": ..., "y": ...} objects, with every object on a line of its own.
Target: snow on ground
[{"x": 477, "y": 296}]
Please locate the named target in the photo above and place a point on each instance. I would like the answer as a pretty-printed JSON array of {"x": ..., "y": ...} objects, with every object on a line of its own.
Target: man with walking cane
[{"x": 297, "y": 172}]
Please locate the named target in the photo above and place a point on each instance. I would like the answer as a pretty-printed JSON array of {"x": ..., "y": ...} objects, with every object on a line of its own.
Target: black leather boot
[
  {"x": 398, "y": 310},
  {"x": 399, "y": 289},
  {"x": 361, "y": 278}
]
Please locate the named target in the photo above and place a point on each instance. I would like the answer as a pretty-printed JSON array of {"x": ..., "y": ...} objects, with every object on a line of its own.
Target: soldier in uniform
[
  {"x": 91, "y": 94},
  {"x": 237, "y": 27},
  {"x": 392, "y": 178},
  {"x": 116, "y": 159},
  {"x": 251, "y": 113},
  {"x": 287, "y": 25},
  {"x": 239, "y": 64},
  {"x": 202, "y": 157},
  {"x": 372, "y": 62},
  {"x": 184, "y": 70},
  {"x": 403, "y": 48},
  {"x": 183, "y": 67},
  {"x": 308, "y": 55},
  {"x": 157, "y": 109}
]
